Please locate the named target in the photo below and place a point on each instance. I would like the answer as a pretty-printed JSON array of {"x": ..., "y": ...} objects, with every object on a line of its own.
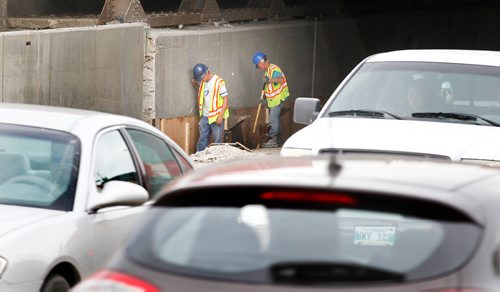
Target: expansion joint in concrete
[{"x": 149, "y": 80}]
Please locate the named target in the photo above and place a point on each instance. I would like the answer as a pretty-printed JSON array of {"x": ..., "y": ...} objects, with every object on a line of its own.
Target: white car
[
  {"x": 73, "y": 183},
  {"x": 375, "y": 109}
]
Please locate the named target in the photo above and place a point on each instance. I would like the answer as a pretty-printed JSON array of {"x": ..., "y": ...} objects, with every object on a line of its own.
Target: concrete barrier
[{"x": 99, "y": 68}]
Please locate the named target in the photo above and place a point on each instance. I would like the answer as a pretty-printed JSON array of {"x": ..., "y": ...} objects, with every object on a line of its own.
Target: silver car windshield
[
  {"x": 416, "y": 90},
  {"x": 39, "y": 167}
]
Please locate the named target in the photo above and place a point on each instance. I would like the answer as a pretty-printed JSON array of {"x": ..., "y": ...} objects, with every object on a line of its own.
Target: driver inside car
[{"x": 419, "y": 96}]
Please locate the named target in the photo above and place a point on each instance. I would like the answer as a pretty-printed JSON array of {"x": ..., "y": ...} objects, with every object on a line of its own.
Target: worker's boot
[{"x": 272, "y": 143}]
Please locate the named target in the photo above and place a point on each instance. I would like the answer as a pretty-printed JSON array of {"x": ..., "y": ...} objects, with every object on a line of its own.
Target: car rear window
[{"x": 304, "y": 237}]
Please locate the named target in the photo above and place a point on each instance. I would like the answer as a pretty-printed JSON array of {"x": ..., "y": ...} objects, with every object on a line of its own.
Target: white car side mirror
[
  {"x": 306, "y": 110},
  {"x": 119, "y": 193}
]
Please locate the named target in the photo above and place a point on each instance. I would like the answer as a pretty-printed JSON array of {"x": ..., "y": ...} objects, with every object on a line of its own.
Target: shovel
[{"x": 258, "y": 111}]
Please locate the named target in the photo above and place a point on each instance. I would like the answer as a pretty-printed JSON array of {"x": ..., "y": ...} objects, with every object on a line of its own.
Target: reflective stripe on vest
[
  {"x": 216, "y": 100},
  {"x": 275, "y": 93}
]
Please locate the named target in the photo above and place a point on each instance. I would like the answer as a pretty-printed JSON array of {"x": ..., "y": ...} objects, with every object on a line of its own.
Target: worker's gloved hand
[
  {"x": 265, "y": 80},
  {"x": 194, "y": 83}
]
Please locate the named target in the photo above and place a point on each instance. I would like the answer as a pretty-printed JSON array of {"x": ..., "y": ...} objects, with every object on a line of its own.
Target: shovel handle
[
  {"x": 258, "y": 109},
  {"x": 256, "y": 118}
]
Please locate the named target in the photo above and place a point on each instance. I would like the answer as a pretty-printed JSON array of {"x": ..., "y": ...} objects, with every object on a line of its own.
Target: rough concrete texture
[
  {"x": 148, "y": 90},
  {"x": 49, "y": 22},
  {"x": 228, "y": 51},
  {"x": 99, "y": 68}
]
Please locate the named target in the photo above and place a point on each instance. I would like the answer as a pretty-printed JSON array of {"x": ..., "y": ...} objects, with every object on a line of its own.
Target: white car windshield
[
  {"x": 39, "y": 167},
  {"x": 417, "y": 90}
]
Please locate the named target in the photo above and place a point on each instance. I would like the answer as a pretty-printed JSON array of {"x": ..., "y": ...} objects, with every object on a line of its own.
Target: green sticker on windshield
[{"x": 374, "y": 235}]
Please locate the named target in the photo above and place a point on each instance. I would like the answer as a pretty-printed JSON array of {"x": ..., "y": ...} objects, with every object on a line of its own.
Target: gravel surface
[{"x": 220, "y": 152}]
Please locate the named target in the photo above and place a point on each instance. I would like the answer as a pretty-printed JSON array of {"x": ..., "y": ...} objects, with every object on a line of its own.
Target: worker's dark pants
[
  {"x": 274, "y": 120},
  {"x": 205, "y": 130}
]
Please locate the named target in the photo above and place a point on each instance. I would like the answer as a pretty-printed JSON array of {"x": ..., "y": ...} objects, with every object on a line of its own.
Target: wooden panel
[{"x": 184, "y": 130}]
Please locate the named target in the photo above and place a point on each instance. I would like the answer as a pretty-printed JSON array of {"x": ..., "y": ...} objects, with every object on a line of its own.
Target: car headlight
[
  {"x": 491, "y": 163},
  {"x": 295, "y": 151},
  {"x": 3, "y": 265}
]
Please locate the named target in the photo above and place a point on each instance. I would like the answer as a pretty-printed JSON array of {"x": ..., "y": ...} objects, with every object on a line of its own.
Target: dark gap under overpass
[{"x": 383, "y": 24}]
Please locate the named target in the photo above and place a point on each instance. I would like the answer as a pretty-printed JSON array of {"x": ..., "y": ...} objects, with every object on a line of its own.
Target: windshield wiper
[
  {"x": 364, "y": 113},
  {"x": 455, "y": 116},
  {"x": 329, "y": 272}
]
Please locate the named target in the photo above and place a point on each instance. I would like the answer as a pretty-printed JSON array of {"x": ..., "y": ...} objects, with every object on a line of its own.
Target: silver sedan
[{"x": 73, "y": 184}]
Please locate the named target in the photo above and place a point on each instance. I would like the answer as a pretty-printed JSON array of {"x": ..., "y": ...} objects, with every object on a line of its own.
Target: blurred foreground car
[
  {"x": 68, "y": 182},
  {"x": 317, "y": 224},
  {"x": 428, "y": 103}
]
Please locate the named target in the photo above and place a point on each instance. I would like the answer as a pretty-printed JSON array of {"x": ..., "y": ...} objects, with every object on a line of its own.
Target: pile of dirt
[{"x": 219, "y": 152}]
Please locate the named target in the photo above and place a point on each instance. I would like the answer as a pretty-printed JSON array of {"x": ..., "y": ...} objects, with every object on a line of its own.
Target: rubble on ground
[{"x": 219, "y": 152}]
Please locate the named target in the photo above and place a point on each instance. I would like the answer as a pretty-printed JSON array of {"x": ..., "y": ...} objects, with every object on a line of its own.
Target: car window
[
  {"x": 39, "y": 167},
  {"x": 186, "y": 166},
  {"x": 113, "y": 160},
  {"x": 159, "y": 162},
  {"x": 264, "y": 236},
  {"x": 406, "y": 88}
]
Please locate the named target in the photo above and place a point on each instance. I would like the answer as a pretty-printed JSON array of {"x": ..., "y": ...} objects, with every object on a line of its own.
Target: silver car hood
[
  {"x": 453, "y": 140},
  {"x": 15, "y": 217}
]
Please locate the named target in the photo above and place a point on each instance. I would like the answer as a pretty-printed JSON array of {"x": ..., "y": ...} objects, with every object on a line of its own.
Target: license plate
[{"x": 374, "y": 235}]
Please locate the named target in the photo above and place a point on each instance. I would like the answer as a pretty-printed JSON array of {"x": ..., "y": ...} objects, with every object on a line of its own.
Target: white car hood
[
  {"x": 453, "y": 140},
  {"x": 15, "y": 217}
]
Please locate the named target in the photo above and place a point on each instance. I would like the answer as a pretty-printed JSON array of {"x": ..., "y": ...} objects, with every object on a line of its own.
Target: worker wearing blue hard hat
[
  {"x": 275, "y": 92},
  {"x": 212, "y": 105}
]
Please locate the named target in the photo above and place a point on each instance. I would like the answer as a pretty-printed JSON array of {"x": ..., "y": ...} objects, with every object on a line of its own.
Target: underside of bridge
[{"x": 168, "y": 13}]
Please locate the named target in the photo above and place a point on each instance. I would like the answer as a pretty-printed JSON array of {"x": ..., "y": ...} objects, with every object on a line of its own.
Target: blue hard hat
[
  {"x": 199, "y": 70},
  {"x": 258, "y": 57}
]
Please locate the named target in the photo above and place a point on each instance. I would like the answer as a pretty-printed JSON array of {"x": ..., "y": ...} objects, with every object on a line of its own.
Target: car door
[
  {"x": 113, "y": 160},
  {"x": 160, "y": 162}
]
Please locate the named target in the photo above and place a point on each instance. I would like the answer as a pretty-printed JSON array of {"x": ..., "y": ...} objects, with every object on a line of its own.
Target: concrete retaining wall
[
  {"x": 98, "y": 68},
  {"x": 299, "y": 47}
]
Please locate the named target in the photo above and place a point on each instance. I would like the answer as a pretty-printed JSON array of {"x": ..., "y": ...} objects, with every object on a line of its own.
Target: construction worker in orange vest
[
  {"x": 276, "y": 92},
  {"x": 212, "y": 105}
]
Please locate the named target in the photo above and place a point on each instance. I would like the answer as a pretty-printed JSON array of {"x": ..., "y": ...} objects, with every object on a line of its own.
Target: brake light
[
  {"x": 107, "y": 280},
  {"x": 456, "y": 290},
  {"x": 315, "y": 197}
]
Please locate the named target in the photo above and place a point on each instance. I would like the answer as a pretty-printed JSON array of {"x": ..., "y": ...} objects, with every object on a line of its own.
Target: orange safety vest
[
  {"x": 275, "y": 92},
  {"x": 216, "y": 100}
]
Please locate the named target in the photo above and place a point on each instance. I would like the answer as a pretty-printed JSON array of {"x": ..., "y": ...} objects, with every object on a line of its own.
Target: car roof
[
  {"x": 57, "y": 118},
  {"x": 474, "y": 57},
  {"x": 433, "y": 180}
]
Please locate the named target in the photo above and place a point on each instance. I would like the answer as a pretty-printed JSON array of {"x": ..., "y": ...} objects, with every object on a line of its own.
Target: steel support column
[
  {"x": 278, "y": 8},
  {"x": 209, "y": 9},
  {"x": 123, "y": 11}
]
